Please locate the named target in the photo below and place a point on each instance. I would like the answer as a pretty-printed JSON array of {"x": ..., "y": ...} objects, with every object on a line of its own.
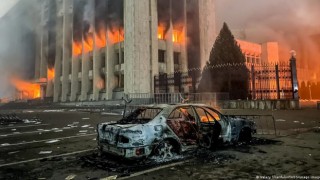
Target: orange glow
[
  {"x": 100, "y": 84},
  {"x": 27, "y": 90},
  {"x": 101, "y": 39},
  {"x": 177, "y": 36},
  {"x": 50, "y": 74},
  {"x": 76, "y": 48},
  {"x": 161, "y": 33},
  {"x": 88, "y": 43},
  {"x": 116, "y": 35}
]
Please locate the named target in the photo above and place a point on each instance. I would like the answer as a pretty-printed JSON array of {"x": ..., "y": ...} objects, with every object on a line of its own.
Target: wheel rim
[{"x": 165, "y": 151}]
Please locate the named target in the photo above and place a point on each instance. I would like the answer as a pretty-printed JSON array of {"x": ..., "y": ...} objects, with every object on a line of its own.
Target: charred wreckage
[{"x": 164, "y": 131}]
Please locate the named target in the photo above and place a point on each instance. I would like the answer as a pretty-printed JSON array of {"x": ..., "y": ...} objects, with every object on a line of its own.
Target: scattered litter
[
  {"x": 83, "y": 131},
  {"x": 66, "y": 128},
  {"x": 280, "y": 120},
  {"x": 45, "y": 152},
  {"x": 310, "y": 154},
  {"x": 41, "y": 178},
  {"x": 55, "y": 110},
  {"x": 85, "y": 126},
  {"x": 13, "y": 129},
  {"x": 58, "y": 131},
  {"x": 85, "y": 118},
  {"x": 296, "y": 121},
  {"x": 37, "y": 123},
  {"x": 16, "y": 133},
  {"x": 110, "y": 178},
  {"x": 80, "y": 134},
  {"x": 14, "y": 152},
  {"x": 46, "y": 130},
  {"x": 40, "y": 129},
  {"x": 91, "y": 127},
  {"x": 54, "y": 129},
  {"x": 52, "y": 141},
  {"x": 302, "y": 123},
  {"x": 111, "y": 114},
  {"x": 71, "y": 177},
  {"x": 94, "y": 139},
  {"x": 5, "y": 144},
  {"x": 40, "y": 133}
]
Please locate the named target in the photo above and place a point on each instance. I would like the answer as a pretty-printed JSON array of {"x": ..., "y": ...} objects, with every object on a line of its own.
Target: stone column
[
  {"x": 110, "y": 63},
  {"x": 207, "y": 29},
  {"x": 75, "y": 78},
  {"x": 85, "y": 75},
  {"x": 96, "y": 72},
  {"x": 184, "y": 56},
  {"x": 137, "y": 67},
  {"x": 169, "y": 54},
  {"x": 67, "y": 48},
  {"x": 57, "y": 64},
  {"x": 154, "y": 42}
]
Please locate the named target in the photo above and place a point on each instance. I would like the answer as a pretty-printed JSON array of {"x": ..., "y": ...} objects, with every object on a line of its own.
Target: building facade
[{"x": 99, "y": 50}]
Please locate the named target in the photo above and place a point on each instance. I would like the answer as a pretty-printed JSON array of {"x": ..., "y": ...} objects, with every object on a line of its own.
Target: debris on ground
[
  {"x": 45, "y": 152},
  {"x": 6, "y": 119}
]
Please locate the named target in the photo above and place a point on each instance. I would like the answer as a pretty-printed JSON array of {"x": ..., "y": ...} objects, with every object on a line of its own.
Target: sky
[
  {"x": 294, "y": 24},
  {"x": 5, "y": 5}
]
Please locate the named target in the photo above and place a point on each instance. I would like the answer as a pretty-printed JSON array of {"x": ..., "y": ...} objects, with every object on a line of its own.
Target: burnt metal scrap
[
  {"x": 9, "y": 119},
  {"x": 164, "y": 131}
]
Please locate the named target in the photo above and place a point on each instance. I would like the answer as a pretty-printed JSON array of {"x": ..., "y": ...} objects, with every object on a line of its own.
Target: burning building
[{"x": 100, "y": 49}]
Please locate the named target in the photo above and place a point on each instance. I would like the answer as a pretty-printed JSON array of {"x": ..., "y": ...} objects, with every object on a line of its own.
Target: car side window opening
[
  {"x": 183, "y": 113},
  {"x": 204, "y": 116},
  {"x": 214, "y": 114}
]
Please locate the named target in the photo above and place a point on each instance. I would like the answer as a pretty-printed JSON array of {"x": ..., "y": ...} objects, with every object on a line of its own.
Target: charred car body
[{"x": 166, "y": 130}]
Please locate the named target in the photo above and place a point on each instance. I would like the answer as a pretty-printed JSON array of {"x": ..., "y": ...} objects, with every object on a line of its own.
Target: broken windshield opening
[{"x": 141, "y": 115}]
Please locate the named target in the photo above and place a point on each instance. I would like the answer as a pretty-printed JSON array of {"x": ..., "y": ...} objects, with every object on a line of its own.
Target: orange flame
[
  {"x": 76, "y": 48},
  {"x": 88, "y": 43},
  {"x": 161, "y": 33},
  {"x": 101, "y": 40},
  {"x": 28, "y": 90},
  {"x": 50, "y": 74},
  {"x": 116, "y": 35}
]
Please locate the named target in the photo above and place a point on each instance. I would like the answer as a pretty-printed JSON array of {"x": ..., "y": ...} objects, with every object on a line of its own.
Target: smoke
[
  {"x": 17, "y": 50},
  {"x": 293, "y": 23}
]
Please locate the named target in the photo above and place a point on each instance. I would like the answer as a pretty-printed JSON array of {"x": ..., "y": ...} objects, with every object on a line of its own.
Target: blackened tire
[{"x": 245, "y": 135}]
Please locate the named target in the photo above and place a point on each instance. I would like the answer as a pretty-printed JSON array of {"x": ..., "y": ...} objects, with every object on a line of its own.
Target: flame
[
  {"x": 50, "y": 74},
  {"x": 116, "y": 35},
  {"x": 161, "y": 33},
  {"x": 76, "y": 48},
  {"x": 88, "y": 43},
  {"x": 177, "y": 36},
  {"x": 28, "y": 90},
  {"x": 101, "y": 40}
]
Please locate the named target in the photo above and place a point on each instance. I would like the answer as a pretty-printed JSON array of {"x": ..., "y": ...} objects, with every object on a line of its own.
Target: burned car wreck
[{"x": 163, "y": 131}]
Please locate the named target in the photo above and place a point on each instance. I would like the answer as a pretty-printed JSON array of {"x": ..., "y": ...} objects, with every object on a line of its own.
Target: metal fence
[
  {"x": 266, "y": 81},
  {"x": 265, "y": 124},
  {"x": 173, "y": 98}
]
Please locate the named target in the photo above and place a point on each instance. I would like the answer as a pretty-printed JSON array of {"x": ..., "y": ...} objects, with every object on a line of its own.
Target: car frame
[{"x": 170, "y": 130}]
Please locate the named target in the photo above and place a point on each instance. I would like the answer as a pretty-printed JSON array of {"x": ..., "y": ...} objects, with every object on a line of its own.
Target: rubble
[{"x": 6, "y": 119}]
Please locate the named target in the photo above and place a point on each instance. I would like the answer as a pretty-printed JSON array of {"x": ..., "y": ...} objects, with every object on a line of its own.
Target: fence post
[
  {"x": 253, "y": 81},
  {"x": 294, "y": 78},
  {"x": 277, "y": 81}
]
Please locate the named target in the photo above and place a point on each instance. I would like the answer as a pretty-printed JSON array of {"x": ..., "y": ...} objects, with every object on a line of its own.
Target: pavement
[{"x": 60, "y": 143}]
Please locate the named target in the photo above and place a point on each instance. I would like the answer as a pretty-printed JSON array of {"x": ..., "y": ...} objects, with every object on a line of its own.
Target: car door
[
  {"x": 225, "y": 124},
  {"x": 182, "y": 122}
]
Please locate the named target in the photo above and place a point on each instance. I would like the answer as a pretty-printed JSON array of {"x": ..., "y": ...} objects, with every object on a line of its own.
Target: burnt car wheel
[
  {"x": 245, "y": 135},
  {"x": 165, "y": 150}
]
